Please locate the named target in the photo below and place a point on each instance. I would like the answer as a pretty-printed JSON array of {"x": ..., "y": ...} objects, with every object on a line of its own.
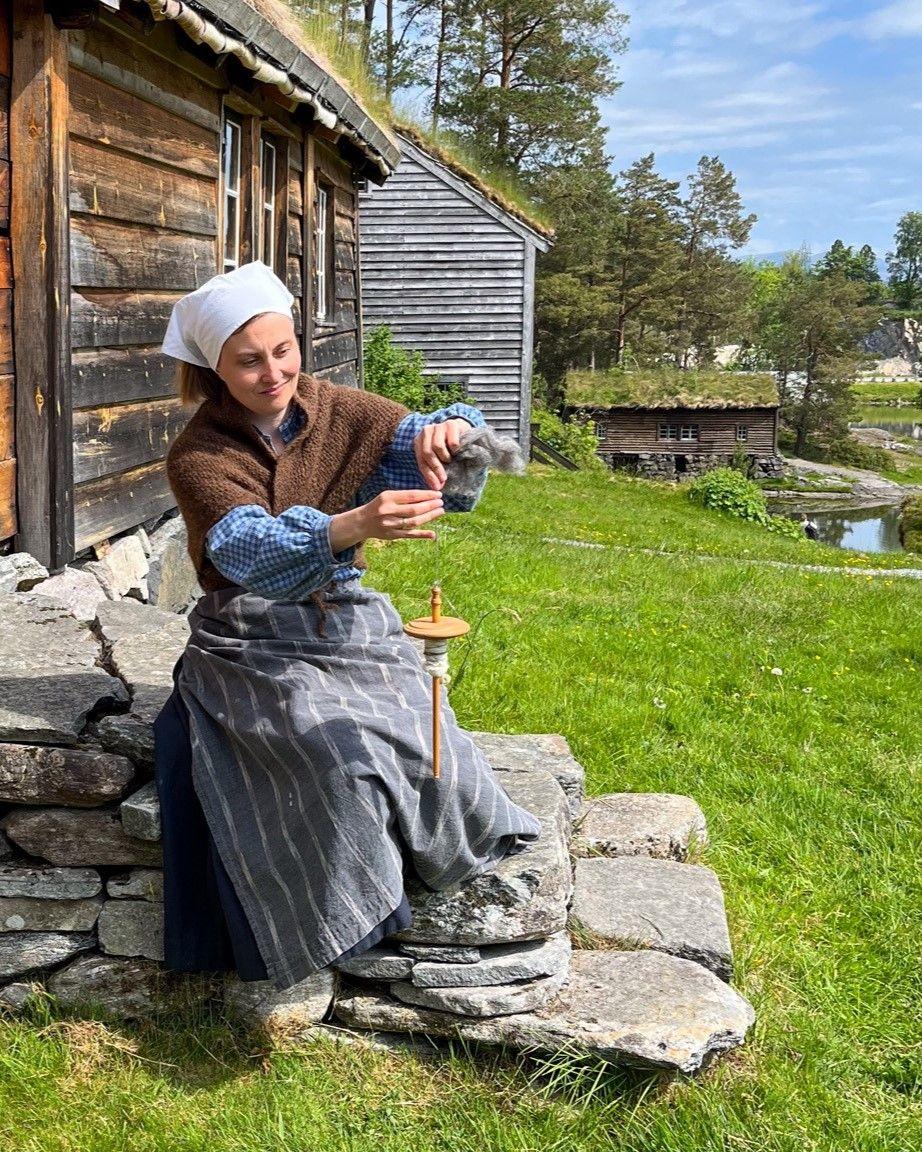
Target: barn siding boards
[
  {"x": 110, "y": 505},
  {"x": 451, "y": 274},
  {"x": 7, "y": 378},
  {"x": 39, "y": 207},
  {"x": 637, "y": 430}
]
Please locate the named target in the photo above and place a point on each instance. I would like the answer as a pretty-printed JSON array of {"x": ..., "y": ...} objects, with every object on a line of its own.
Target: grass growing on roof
[
  {"x": 670, "y": 388},
  {"x": 809, "y": 780}
]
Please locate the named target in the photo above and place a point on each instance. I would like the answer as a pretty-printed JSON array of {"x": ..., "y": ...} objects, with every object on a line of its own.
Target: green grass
[
  {"x": 670, "y": 388},
  {"x": 809, "y": 780},
  {"x": 906, "y": 392}
]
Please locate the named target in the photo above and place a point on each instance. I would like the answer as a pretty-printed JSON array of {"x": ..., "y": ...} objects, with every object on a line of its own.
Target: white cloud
[{"x": 904, "y": 18}]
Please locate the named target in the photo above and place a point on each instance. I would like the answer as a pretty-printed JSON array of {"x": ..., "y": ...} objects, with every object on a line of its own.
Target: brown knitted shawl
[{"x": 219, "y": 461}]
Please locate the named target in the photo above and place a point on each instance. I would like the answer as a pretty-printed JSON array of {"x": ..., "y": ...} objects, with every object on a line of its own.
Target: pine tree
[{"x": 905, "y": 262}]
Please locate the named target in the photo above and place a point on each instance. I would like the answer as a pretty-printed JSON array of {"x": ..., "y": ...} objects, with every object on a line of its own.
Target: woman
[{"x": 297, "y": 721}]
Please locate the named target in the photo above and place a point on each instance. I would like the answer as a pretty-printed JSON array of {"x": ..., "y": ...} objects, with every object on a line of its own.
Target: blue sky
[{"x": 816, "y": 107}]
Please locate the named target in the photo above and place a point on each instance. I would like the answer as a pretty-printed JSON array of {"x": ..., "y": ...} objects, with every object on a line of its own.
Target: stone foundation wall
[{"x": 679, "y": 466}]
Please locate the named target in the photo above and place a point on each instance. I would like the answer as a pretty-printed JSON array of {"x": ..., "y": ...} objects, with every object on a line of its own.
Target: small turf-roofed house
[
  {"x": 147, "y": 146},
  {"x": 666, "y": 425},
  {"x": 448, "y": 264}
]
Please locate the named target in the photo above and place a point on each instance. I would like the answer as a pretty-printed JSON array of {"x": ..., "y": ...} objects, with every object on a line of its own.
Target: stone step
[
  {"x": 524, "y": 897},
  {"x": 640, "y": 1008},
  {"x": 633, "y": 901},
  {"x": 536, "y": 751},
  {"x": 655, "y": 824}
]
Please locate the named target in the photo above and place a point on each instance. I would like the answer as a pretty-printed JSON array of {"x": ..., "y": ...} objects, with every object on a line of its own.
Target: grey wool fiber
[{"x": 479, "y": 448}]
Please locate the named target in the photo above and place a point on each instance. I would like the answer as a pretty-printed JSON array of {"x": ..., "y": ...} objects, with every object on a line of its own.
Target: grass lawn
[
  {"x": 809, "y": 779},
  {"x": 888, "y": 392}
]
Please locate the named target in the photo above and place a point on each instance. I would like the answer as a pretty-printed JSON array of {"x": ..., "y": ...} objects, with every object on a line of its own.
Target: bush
[
  {"x": 911, "y": 524},
  {"x": 575, "y": 439},
  {"x": 730, "y": 491},
  {"x": 394, "y": 372},
  {"x": 853, "y": 454}
]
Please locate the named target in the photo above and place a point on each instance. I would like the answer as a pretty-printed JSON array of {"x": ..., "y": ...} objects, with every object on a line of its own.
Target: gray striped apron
[{"x": 311, "y": 760}]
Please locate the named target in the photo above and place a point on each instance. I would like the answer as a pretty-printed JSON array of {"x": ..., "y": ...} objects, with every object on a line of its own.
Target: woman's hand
[
  {"x": 392, "y": 515},
  {"x": 435, "y": 444}
]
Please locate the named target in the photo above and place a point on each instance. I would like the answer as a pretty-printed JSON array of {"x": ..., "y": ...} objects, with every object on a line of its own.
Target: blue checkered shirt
[{"x": 289, "y": 556}]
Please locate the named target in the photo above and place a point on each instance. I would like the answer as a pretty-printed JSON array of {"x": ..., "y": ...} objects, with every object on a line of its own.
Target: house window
[
  {"x": 668, "y": 431},
  {"x": 742, "y": 431},
  {"x": 268, "y": 154},
  {"x": 599, "y": 428},
  {"x": 230, "y": 178},
  {"x": 323, "y": 253},
  {"x": 688, "y": 432}
]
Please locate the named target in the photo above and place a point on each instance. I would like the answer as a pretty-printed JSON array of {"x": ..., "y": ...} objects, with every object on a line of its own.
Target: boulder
[
  {"x": 502, "y": 964},
  {"x": 172, "y": 580},
  {"x": 124, "y": 987},
  {"x": 122, "y": 568},
  {"x": 640, "y": 1008},
  {"x": 140, "y": 813},
  {"x": 76, "y": 777},
  {"x": 639, "y": 824},
  {"x": 131, "y": 928},
  {"x": 70, "y": 836},
  {"x": 144, "y": 644},
  {"x": 79, "y": 592},
  {"x": 20, "y": 995},
  {"x": 536, "y": 751},
  {"x": 261, "y": 1006},
  {"x": 25, "y": 952},
  {"x": 127, "y": 735},
  {"x": 19, "y": 572},
  {"x": 523, "y": 897},
  {"x": 51, "y": 677},
  {"x": 634, "y": 901}
]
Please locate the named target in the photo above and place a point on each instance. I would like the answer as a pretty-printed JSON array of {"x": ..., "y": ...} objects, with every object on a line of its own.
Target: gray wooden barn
[
  {"x": 145, "y": 146},
  {"x": 451, "y": 271}
]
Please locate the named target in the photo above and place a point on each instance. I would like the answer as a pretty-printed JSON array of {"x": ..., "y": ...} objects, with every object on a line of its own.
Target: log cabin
[
  {"x": 147, "y": 146},
  {"x": 665, "y": 429},
  {"x": 448, "y": 263}
]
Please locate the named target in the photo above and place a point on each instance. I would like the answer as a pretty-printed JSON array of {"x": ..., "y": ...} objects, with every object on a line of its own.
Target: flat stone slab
[
  {"x": 536, "y": 751},
  {"x": 24, "y": 952},
  {"x": 138, "y": 884},
  {"x": 140, "y": 813},
  {"x": 32, "y": 914},
  {"x": 440, "y": 954},
  {"x": 379, "y": 963},
  {"x": 76, "y": 777},
  {"x": 656, "y": 824},
  {"x": 131, "y": 928},
  {"x": 71, "y": 836},
  {"x": 281, "y": 1013},
  {"x": 127, "y": 735},
  {"x": 502, "y": 964},
  {"x": 34, "y": 881},
  {"x": 79, "y": 592},
  {"x": 640, "y": 1008},
  {"x": 638, "y": 902},
  {"x": 492, "y": 1000},
  {"x": 51, "y": 680},
  {"x": 524, "y": 897},
  {"x": 144, "y": 644}
]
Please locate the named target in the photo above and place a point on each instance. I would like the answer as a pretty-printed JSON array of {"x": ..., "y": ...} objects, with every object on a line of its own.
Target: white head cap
[{"x": 202, "y": 320}]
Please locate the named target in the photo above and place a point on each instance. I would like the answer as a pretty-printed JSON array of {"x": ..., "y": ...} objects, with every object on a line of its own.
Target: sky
[{"x": 815, "y": 107}]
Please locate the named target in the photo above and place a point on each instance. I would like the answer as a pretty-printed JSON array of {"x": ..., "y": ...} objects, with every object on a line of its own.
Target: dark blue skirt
[{"x": 205, "y": 927}]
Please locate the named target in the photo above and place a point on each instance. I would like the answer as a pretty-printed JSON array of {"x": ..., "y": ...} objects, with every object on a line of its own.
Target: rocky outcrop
[{"x": 896, "y": 346}]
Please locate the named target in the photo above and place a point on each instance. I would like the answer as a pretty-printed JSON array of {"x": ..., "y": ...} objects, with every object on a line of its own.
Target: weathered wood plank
[
  {"x": 4, "y": 116},
  {"x": 344, "y": 229},
  {"x": 121, "y": 436},
  {"x": 295, "y": 228},
  {"x": 125, "y": 64},
  {"x": 501, "y": 310},
  {"x": 105, "y": 254},
  {"x": 344, "y": 201},
  {"x": 293, "y": 277},
  {"x": 344, "y": 374},
  {"x": 339, "y": 348},
  {"x": 6, "y": 331},
  {"x": 4, "y": 194},
  {"x": 104, "y": 317},
  {"x": 334, "y": 169},
  {"x": 38, "y": 205},
  {"x": 120, "y": 187},
  {"x": 102, "y": 112},
  {"x": 7, "y": 417},
  {"x": 104, "y": 376},
  {"x": 344, "y": 256},
  {"x": 295, "y": 192},
  {"x": 8, "y": 523},
  {"x": 5, "y": 57},
  {"x": 345, "y": 286},
  {"x": 105, "y": 507}
]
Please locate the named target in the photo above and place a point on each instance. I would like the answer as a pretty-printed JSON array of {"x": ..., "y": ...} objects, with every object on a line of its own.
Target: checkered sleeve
[
  {"x": 398, "y": 467},
  {"x": 280, "y": 557}
]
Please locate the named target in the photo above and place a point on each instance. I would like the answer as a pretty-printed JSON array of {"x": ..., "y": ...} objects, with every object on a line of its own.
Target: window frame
[
  {"x": 692, "y": 429},
  {"x": 323, "y": 275},
  {"x": 671, "y": 434},
  {"x": 231, "y": 118},
  {"x": 744, "y": 429}
]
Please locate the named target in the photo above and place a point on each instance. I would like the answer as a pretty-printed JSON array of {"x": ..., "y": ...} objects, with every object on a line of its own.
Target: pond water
[
  {"x": 862, "y": 529},
  {"x": 899, "y": 421}
]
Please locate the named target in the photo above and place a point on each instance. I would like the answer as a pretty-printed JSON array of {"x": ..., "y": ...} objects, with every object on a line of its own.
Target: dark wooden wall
[
  {"x": 7, "y": 377},
  {"x": 636, "y": 430}
]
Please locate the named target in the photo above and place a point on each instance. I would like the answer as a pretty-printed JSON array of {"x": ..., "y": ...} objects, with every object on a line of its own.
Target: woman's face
[{"x": 260, "y": 362}]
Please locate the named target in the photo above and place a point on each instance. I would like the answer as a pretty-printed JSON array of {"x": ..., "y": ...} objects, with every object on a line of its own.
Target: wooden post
[
  {"x": 307, "y": 256},
  {"x": 41, "y": 275}
]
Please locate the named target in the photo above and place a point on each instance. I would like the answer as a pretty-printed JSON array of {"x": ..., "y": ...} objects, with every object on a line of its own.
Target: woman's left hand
[{"x": 435, "y": 445}]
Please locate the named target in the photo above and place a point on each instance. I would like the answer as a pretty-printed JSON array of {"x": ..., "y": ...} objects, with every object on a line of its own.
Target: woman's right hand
[{"x": 392, "y": 515}]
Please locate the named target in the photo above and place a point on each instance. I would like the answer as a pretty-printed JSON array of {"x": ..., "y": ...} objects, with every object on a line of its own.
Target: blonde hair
[{"x": 195, "y": 383}]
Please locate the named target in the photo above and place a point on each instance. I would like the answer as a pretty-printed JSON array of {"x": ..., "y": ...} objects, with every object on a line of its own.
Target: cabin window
[
  {"x": 230, "y": 178},
  {"x": 599, "y": 428},
  {"x": 323, "y": 253},
  {"x": 668, "y": 431},
  {"x": 268, "y": 189},
  {"x": 742, "y": 431},
  {"x": 688, "y": 432}
]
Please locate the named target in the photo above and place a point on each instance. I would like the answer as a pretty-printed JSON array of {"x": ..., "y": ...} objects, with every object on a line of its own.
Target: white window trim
[
  {"x": 230, "y": 192},
  {"x": 321, "y": 314},
  {"x": 268, "y": 206},
  {"x": 691, "y": 429},
  {"x": 742, "y": 433}
]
